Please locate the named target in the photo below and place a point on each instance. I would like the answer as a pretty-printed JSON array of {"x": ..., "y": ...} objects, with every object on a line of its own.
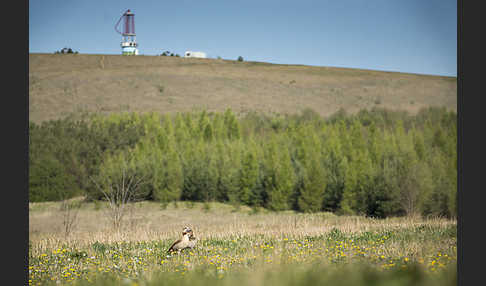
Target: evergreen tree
[
  {"x": 359, "y": 176},
  {"x": 194, "y": 168},
  {"x": 249, "y": 176},
  {"x": 375, "y": 141},
  {"x": 357, "y": 139},
  {"x": 313, "y": 186},
  {"x": 441, "y": 200},
  {"x": 192, "y": 127},
  {"x": 229, "y": 166},
  {"x": 208, "y": 132},
  {"x": 226, "y": 189},
  {"x": 335, "y": 163},
  {"x": 419, "y": 144},
  {"x": 232, "y": 125},
  {"x": 204, "y": 126},
  {"x": 311, "y": 177},
  {"x": 279, "y": 175},
  {"x": 379, "y": 163},
  {"x": 218, "y": 126},
  {"x": 171, "y": 188},
  {"x": 211, "y": 176},
  {"x": 181, "y": 133}
]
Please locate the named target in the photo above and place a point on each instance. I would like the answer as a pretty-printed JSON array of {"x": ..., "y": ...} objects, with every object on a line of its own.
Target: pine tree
[
  {"x": 311, "y": 177},
  {"x": 357, "y": 184},
  {"x": 357, "y": 139},
  {"x": 208, "y": 132},
  {"x": 204, "y": 126},
  {"x": 437, "y": 200},
  {"x": 419, "y": 144},
  {"x": 313, "y": 186},
  {"x": 345, "y": 142},
  {"x": 336, "y": 163},
  {"x": 218, "y": 126},
  {"x": 225, "y": 189},
  {"x": 279, "y": 175},
  {"x": 195, "y": 170},
  {"x": 232, "y": 125},
  {"x": 375, "y": 141},
  {"x": 249, "y": 176},
  {"x": 192, "y": 126},
  {"x": 229, "y": 166},
  {"x": 181, "y": 133},
  {"x": 171, "y": 188}
]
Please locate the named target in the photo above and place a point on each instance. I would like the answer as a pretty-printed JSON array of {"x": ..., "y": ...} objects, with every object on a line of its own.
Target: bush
[
  {"x": 66, "y": 51},
  {"x": 50, "y": 181}
]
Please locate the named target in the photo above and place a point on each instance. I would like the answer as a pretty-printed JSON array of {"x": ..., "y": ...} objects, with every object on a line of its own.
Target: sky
[{"x": 410, "y": 36}]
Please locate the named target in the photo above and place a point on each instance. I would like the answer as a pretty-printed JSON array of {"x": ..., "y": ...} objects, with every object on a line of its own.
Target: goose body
[
  {"x": 192, "y": 241},
  {"x": 180, "y": 244},
  {"x": 188, "y": 240}
]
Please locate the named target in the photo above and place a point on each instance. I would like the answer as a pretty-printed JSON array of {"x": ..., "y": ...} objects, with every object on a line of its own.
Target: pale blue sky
[{"x": 413, "y": 36}]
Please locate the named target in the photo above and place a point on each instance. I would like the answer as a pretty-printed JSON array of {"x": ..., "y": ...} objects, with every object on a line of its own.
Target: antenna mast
[{"x": 129, "y": 43}]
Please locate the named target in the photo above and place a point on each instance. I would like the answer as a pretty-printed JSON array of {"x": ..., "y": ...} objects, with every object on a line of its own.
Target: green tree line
[{"x": 376, "y": 162}]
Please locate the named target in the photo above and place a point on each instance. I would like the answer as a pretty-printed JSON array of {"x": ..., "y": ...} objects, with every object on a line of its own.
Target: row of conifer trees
[{"x": 378, "y": 163}]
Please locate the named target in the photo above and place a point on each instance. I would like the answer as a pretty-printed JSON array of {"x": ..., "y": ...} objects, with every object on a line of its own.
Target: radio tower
[{"x": 129, "y": 44}]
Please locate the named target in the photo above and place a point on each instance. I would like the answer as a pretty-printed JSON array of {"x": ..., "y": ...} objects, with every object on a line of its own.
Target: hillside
[{"x": 62, "y": 84}]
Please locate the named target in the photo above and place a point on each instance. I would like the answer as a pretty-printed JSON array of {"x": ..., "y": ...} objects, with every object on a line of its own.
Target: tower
[{"x": 128, "y": 44}]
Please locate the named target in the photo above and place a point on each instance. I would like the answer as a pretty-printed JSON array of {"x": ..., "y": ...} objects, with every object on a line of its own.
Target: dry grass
[
  {"x": 236, "y": 243},
  {"x": 148, "y": 221},
  {"x": 62, "y": 84}
]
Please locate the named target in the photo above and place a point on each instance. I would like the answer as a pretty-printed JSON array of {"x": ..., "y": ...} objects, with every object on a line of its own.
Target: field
[
  {"x": 237, "y": 245},
  {"x": 64, "y": 84}
]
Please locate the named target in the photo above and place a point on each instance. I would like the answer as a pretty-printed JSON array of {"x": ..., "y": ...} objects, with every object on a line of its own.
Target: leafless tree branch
[{"x": 119, "y": 192}]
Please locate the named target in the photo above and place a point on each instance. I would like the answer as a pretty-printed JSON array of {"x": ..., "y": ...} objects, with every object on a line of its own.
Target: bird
[{"x": 188, "y": 240}]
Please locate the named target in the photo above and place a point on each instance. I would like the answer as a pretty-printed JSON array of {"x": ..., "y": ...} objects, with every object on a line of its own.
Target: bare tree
[
  {"x": 120, "y": 184},
  {"x": 69, "y": 211},
  {"x": 414, "y": 185}
]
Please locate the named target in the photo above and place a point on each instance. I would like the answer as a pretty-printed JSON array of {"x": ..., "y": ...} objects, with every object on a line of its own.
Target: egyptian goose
[{"x": 187, "y": 241}]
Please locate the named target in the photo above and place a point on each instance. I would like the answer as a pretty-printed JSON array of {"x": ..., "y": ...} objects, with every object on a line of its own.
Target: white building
[
  {"x": 191, "y": 54},
  {"x": 129, "y": 48}
]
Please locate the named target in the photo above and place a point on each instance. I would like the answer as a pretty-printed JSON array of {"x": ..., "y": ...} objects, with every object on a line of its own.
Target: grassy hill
[{"x": 62, "y": 84}]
